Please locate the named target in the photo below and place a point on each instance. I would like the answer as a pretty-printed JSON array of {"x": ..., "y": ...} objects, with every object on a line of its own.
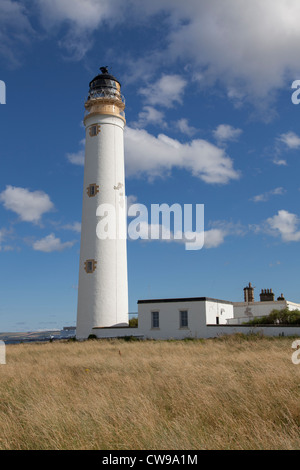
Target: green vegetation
[
  {"x": 133, "y": 322},
  {"x": 278, "y": 317}
]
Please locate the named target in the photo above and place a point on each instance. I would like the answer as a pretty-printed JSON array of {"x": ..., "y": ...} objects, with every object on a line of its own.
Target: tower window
[
  {"x": 183, "y": 314},
  {"x": 154, "y": 319},
  {"x": 90, "y": 266},
  {"x": 94, "y": 130},
  {"x": 92, "y": 190}
]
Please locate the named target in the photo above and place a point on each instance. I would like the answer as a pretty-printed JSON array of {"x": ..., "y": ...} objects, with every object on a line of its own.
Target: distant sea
[{"x": 34, "y": 336}]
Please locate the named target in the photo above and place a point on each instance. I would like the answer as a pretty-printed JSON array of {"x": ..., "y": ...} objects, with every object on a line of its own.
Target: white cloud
[
  {"x": 156, "y": 156},
  {"x": 50, "y": 243},
  {"x": 29, "y": 205},
  {"x": 249, "y": 46},
  {"x": 15, "y": 30},
  {"x": 266, "y": 196},
  {"x": 150, "y": 115},
  {"x": 166, "y": 91},
  {"x": 280, "y": 162},
  {"x": 226, "y": 132},
  {"x": 290, "y": 139},
  {"x": 82, "y": 18},
  {"x": 185, "y": 128},
  {"x": 77, "y": 158},
  {"x": 285, "y": 225},
  {"x": 214, "y": 237},
  {"x": 75, "y": 227}
]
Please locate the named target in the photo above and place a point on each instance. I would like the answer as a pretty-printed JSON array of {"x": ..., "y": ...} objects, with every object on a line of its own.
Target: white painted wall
[
  {"x": 199, "y": 313},
  {"x": 216, "y": 309},
  {"x": 246, "y": 311},
  {"x": 215, "y": 331},
  {"x": 103, "y": 295}
]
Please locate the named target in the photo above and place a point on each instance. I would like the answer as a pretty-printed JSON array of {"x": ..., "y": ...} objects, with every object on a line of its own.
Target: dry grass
[{"x": 232, "y": 393}]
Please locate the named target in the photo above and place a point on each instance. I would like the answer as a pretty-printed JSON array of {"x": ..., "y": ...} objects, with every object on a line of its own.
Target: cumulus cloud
[
  {"x": 225, "y": 132},
  {"x": 214, "y": 237},
  {"x": 285, "y": 225},
  {"x": 249, "y": 46},
  {"x": 150, "y": 115},
  {"x": 290, "y": 139},
  {"x": 185, "y": 128},
  {"x": 166, "y": 91},
  {"x": 153, "y": 156},
  {"x": 51, "y": 243},
  {"x": 29, "y": 205},
  {"x": 82, "y": 19}
]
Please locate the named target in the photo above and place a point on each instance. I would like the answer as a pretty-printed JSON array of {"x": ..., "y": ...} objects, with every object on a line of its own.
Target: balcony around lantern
[{"x": 100, "y": 102}]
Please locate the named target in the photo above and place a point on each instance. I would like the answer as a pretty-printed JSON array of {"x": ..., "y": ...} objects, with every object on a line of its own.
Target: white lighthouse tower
[{"x": 103, "y": 288}]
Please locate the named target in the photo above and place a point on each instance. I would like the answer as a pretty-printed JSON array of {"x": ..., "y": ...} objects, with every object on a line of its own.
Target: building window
[
  {"x": 155, "y": 320},
  {"x": 90, "y": 266},
  {"x": 94, "y": 130},
  {"x": 183, "y": 318},
  {"x": 217, "y": 321},
  {"x": 92, "y": 190}
]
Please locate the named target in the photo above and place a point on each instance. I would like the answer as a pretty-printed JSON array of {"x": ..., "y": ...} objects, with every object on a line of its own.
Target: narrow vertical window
[
  {"x": 94, "y": 130},
  {"x": 183, "y": 319},
  {"x": 92, "y": 190},
  {"x": 90, "y": 266},
  {"x": 155, "y": 320}
]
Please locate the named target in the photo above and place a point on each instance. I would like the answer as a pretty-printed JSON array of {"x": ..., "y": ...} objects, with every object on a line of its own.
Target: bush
[
  {"x": 278, "y": 317},
  {"x": 133, "y": 322}
]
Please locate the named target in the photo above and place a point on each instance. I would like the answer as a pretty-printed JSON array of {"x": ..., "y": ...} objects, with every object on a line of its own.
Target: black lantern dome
[{"x": 104, "y": 85}]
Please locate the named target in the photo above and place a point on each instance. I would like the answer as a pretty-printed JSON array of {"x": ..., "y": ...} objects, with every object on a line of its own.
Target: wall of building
[
  {"x": 244, "y": 312},
  {"x": 200, "y": 312},
  {"x": 276, "y": 330},
  {"x": 169, "y": 319},
  {"x": 221, "y": 310},
  {"x": 250, "y": 310},
  {"x": 117, "y": 332}
]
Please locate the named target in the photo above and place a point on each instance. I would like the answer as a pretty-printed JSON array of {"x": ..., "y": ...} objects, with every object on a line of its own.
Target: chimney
[
  {"x": 249, "y": 293},
  {"x": 281, "y": 297},
  {"x": 266, "y": 295}
]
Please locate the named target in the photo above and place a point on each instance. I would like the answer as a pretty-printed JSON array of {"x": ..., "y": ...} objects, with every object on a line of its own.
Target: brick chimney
[
  {"x": 249, "y": 293},
  {"x": 266, "y": 295}
]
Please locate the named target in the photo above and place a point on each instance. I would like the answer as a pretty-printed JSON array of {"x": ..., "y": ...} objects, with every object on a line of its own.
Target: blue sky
[{"x": 210, "y": 121}]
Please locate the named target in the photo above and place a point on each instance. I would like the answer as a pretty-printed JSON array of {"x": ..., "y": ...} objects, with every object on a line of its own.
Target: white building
[
  {"x": 181, "y": 318},
  {"x": 250, "y": 309}
]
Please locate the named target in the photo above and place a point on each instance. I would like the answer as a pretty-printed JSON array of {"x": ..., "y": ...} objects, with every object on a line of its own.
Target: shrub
[
  {"x": 278, "y": 317},
  {"x": 133, "y": 322}
]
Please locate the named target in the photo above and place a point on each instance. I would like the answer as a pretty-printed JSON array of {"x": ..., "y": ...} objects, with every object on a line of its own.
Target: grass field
[{"x": 227, "y": 393}]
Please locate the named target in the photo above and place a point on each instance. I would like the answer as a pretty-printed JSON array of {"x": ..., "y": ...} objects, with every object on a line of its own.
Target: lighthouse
[{"x": 103, "y": 286}]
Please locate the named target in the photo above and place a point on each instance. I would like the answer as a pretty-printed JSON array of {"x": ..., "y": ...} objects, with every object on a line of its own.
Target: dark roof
[
  {"x": 186, "y": 299},
  {"x": 104, "y": 76}
]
